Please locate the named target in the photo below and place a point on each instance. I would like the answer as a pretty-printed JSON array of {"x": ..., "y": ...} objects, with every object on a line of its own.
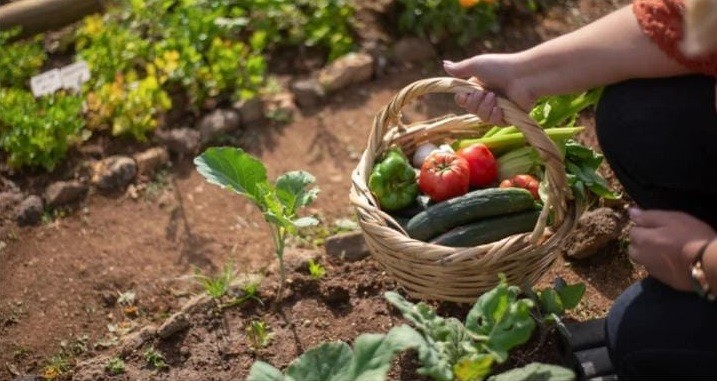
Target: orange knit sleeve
[{"x": 662, "y": 21}]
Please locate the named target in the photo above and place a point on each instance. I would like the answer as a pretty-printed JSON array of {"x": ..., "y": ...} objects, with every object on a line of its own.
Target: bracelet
[{"x": 697, "y": 272}]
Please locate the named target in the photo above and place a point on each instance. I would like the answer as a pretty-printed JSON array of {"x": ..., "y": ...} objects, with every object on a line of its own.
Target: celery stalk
[{"x": 504, "y": 143}]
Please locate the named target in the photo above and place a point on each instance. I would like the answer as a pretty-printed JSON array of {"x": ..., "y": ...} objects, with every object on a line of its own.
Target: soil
[{"x": 59, "y": 282}]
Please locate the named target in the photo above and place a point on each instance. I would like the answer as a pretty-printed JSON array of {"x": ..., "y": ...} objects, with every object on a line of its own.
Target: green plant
[
  {"x": 110, "y": 48},
  {"x": 250, "y": 291},
  {"x": 259, "y": 334},
  {"x": 316, "y": 270},
  {"x": 115, "y": 366},
  {"x": 19, "y": 60},
  {"x": 279, "y": 202},
  {"x": 447, "y": 349},
  {"x": 217, "y": 286},
  {"x": 38, "y": 132},
  {"x": 498, "y": 322},
  {"x": 131, "y": 106},
  {"x": 553, "y": 302},
  {"x": 370, "y": 359},
  {"x": 57, "y": 366},
  {"x": 155, "y": 359},
  {"x": 443, "y": 20}
]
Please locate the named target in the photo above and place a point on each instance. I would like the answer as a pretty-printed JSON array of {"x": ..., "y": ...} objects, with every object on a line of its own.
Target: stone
[
  {"x": 9, "y": 200},
  {"x": 175, "y": 323},
  {"x": 251, "y": 110},
  {"x": 349, "y": 246},
  {"x": 151, "y": 160},
  {"x": 344, "y": 71},
  {"x": 134, "y": 341},
  {"x": 65, "y": 192},
  {"x": 183, "y": 140},
  {"x": 217, "y": 123},
  {"x": 114, "y": 172},
  {"x": 308, "y": 92},
  {"x": 594, "y": 231},
  {"x": 7, "y": 185},
  {"x": 413, "y": 49},
  {"x": 30, "y": 210}
]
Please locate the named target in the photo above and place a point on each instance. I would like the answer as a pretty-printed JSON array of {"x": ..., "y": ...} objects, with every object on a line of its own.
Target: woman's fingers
[{"x": 474, "y": 101}]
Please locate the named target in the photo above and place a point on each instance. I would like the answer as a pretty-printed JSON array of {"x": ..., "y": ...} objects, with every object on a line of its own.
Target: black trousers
[{"x": 660, "y": 138}]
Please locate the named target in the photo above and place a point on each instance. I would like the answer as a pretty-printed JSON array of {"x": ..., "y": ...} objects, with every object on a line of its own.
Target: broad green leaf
[
  {"x": 291, "y": 188},
  {"x": 570, "y": 295},
  {"x": 373, "y": 353},
  {"x": 473, "y": 368},
  {"x": 536, "y": 372},
  {"x": 550, "y": 302},
  {"x": 234, "y": 169},
  {"x": 323, "y": 362},
  {"x": 262, "y": 371},
  {"x": 504, "y": 319}
]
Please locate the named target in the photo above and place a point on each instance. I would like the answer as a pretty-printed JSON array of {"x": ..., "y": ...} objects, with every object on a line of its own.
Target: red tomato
[
  {"x": 482, "y": 164},
  {"x": 527, "y": 182},
  {"x": 444, "y": 175}
]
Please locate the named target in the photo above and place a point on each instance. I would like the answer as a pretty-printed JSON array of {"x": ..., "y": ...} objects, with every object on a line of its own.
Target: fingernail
[
  {"x": 634, "y": 213},
  {"x": 447, "y": 63}
]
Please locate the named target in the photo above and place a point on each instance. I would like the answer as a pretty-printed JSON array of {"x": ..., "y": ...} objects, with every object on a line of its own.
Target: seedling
[
  {"x": 316, "y": 270},
  {"x": 217, "y": 286},
  {"x": 279, "y": 202},
  {"x": 115, "y": 366},
  {"x": 250, "y": 291},
  {"x": 56, "y": 366},
  {"x": 155, "y": 359},
  {"x": 259, "y": 334}
]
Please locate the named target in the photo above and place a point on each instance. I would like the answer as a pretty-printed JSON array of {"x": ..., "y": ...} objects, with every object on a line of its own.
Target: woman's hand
[
  {"x": 666, "y": 243},
  {"x": 494, "y": 73}
]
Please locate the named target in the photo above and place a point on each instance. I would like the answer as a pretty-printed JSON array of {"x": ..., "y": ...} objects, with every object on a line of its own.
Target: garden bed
[{"x": 60, "y": 281}]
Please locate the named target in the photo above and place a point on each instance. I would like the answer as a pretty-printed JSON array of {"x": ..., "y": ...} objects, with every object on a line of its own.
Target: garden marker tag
[
  {"x": 46, "y": 83},
  {"x": 73, "y": 76}
]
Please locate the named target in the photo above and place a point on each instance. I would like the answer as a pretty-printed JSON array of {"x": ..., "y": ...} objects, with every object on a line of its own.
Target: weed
[
  {"x": 56, "y": 366},
  {"x": 155, "y": 359},
  {"x": 115, "y": 366},
  {"x": 259, "y": 334},
  {"x": 217, "y": 286},
  {"x": 316, "y": 270},
  {"x": 250, "y": 291}
]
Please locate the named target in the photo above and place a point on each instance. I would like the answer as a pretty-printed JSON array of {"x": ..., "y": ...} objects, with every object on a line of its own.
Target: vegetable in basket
[
  {"x": 393, "y": 181},
  {"x": 469, "y": 208},
  {"x": 481, "y": 164},
  {"x": 444, "y": 175},
  {"x": 527, "y": 182},
  {"x": 499, "y": 144}
]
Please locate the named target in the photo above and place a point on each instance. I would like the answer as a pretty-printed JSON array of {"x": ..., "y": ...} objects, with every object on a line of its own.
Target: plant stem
[{"x": 279, "y": 234}]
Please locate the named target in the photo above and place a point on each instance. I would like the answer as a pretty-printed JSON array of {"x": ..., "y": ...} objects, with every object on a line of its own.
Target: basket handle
[{"x": 558, "y": 190}]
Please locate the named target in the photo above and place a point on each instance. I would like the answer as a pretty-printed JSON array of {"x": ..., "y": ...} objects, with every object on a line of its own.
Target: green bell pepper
[{"x": 393, "y": 181}]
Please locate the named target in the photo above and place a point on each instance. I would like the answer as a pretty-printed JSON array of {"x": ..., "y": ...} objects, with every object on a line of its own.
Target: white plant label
[
  {"x": 46, "y": 83},
  {"x": 73, "y": 76}
]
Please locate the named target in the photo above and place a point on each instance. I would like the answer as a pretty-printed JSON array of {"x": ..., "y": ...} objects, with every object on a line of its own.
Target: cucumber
[
  {"x": 472, "y": 206},
  {"x": 488, "y": 230}
]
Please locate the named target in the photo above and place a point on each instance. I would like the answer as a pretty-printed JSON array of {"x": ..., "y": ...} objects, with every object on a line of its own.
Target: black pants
[{"x": 660, "y": 138}]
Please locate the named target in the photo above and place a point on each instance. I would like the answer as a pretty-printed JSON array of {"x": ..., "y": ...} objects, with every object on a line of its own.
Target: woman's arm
[{"x": 609, "y": 50}]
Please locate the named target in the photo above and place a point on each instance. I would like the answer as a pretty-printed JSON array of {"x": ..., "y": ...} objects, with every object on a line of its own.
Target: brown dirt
[{"x": 59, "y": 281}]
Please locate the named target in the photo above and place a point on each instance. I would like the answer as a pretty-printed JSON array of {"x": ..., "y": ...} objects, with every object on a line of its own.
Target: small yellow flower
[
  {"x": 93, "y": 25},
  {"x": 51, "y": 373}
]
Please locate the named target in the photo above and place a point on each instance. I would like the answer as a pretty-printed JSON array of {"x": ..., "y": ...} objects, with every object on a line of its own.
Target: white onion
[{"x": 422, "y": 153}]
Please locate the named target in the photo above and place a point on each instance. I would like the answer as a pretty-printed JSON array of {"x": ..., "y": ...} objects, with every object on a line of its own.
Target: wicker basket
[{"x": 430, "y": 271}]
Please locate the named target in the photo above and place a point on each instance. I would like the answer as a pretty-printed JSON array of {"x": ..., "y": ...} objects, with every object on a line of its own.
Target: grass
[
  {"x": 259, "y": 334},
  {"x": 155, "y": 359},
  {"x": 115, "y": 366},
  {"x": 316, "y": 270},
  {"x": 217, "y": 286}
]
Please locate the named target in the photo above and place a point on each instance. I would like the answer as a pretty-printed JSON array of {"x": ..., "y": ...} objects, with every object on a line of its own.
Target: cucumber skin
[
  {"x": 468, "y": 208},
  {"x": 488, "y": 230}
]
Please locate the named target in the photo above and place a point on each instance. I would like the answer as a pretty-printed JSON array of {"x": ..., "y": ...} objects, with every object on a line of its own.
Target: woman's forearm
[{"x": 607, "y": 51}]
